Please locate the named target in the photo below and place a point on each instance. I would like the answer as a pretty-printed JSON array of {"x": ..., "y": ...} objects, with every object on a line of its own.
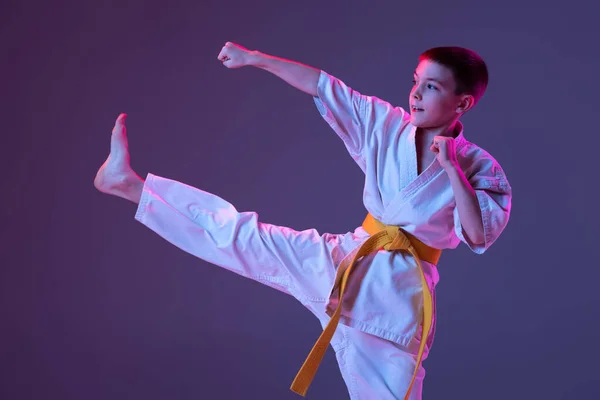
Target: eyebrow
[{"x": 431, "y": 79}]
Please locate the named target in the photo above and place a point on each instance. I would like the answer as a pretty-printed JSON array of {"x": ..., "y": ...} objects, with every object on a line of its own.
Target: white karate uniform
[{"x": 377, "y": 340}]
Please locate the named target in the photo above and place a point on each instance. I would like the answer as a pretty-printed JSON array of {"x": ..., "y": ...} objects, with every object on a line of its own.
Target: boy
[{"x": 427, "y": 188}]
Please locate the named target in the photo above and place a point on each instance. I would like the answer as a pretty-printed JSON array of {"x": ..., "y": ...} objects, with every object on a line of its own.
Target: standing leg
[{"x": 375, "y": 368}]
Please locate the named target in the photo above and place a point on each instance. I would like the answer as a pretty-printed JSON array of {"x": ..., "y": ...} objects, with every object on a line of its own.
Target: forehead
[{"x": 430, "y": 70}]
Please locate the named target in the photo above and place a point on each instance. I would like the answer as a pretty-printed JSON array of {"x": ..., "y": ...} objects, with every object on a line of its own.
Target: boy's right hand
[{"x": 235, "y": 56}]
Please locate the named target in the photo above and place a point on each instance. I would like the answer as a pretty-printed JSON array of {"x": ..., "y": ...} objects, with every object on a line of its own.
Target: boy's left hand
[{"x": 445, "y": 147}]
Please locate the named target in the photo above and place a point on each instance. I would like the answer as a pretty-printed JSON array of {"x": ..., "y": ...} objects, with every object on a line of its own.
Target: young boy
[{"x": 427, "y": 188}]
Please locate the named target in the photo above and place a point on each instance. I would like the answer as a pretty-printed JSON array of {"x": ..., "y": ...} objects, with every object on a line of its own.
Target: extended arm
[
  {"x": 300, "y": 76},
  {"x": 359, "y": 120}
]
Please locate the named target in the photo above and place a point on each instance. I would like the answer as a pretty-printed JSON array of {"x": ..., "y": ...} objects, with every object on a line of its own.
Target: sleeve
[
  {"x": 494, "y": 194},
  {"x": 359, "y": 120}
]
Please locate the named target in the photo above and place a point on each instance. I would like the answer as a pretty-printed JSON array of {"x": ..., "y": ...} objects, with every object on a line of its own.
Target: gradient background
[{"x": 96, "y": 306}]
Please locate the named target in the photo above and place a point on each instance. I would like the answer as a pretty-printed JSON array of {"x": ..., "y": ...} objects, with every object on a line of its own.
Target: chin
[{"x": 420, "y": 122}]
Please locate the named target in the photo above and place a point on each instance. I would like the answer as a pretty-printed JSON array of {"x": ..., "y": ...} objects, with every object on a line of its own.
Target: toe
[{"x": 119, "y": 127}]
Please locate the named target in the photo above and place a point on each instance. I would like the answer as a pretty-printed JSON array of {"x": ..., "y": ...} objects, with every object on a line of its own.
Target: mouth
[{"x": 416, "y": 109}]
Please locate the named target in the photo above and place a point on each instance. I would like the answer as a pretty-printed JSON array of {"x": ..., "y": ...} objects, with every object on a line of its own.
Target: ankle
[{"x": 134, "y": 189}]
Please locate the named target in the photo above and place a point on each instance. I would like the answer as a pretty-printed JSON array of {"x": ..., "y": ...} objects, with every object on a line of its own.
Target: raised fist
[{"x": 234, "y": 56}]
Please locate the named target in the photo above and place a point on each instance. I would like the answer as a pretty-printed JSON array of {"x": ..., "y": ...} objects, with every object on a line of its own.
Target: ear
[{"x": 467, "y": 101}]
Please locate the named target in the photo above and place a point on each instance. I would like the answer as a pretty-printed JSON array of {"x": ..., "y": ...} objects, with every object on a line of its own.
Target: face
[{"x": 432, "y": 100}]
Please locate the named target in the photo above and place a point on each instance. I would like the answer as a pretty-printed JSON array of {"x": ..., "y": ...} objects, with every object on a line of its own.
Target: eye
[
  {"x": 430, "y": 86},
  {"x": 414, "y": 81}
]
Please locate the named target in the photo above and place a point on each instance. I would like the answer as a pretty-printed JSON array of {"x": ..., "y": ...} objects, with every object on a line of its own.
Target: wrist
[
  {"x": 452, "y": 168},
  {"x": 455, "y": 174},
  {"x": 257, "y": 59}
]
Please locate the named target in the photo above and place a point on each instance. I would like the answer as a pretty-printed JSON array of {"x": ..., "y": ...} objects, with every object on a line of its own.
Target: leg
[
  {"x": 375, "y": 368},
  {"x": 299, "y": 263}
]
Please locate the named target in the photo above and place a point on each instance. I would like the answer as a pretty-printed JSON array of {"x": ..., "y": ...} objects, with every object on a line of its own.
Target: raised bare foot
[{"x": 116, "y": 176}]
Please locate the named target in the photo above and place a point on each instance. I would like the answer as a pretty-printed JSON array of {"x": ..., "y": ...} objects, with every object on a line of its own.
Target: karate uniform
[{"x": 378, "y": 336}]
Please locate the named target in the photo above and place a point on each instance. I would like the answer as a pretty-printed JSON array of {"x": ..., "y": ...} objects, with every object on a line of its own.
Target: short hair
[{"x": 469, "y": 70}]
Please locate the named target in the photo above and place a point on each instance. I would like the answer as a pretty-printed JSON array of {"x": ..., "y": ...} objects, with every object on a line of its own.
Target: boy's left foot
[{"x": 116, "y": 176}]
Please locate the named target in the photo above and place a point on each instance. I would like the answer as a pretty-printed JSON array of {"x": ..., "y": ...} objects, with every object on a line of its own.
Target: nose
[{"x": 416, "y": 93}]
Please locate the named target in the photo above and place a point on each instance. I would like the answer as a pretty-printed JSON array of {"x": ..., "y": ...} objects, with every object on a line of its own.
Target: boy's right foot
[{"x": 116, "y": 176}]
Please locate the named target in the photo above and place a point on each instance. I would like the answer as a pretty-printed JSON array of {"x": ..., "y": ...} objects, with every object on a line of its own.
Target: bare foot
[{"x": 116, "y": 176}]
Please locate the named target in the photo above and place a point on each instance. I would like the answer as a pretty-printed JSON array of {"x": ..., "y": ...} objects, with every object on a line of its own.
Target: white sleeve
[
  {"x": 495, "y": 196},
  {"x": 358, "y": 120}
]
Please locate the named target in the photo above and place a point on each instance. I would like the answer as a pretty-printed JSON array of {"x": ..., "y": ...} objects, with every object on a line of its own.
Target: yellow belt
[{"x": 391, "y": 238}]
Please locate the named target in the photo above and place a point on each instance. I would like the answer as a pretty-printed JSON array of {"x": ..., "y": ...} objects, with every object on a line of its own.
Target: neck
[{"x": 449, "y": 130}]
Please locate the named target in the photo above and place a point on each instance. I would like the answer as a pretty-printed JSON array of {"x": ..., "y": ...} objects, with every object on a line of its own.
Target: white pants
[{"x": 302, "y": 264}]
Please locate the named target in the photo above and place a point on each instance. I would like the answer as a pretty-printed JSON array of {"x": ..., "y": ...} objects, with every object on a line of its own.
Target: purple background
[{"x": 95, "y": 306}]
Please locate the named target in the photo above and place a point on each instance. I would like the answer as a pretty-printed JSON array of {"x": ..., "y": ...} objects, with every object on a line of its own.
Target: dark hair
[{"x": 468, "y": 68}]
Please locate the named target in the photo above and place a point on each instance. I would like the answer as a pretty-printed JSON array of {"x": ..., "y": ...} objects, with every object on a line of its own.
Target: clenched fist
[
  {"x": 445, "y": 147},
  {"x": 235, "y": 56}
]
